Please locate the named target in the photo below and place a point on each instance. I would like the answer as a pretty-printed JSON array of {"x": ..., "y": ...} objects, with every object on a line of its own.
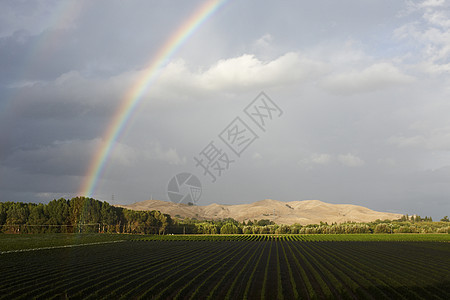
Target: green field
[
  {"x": 233, "y": 267},
  {"x": 9, "y": 242},
  {"x": 305, "y": 237}
]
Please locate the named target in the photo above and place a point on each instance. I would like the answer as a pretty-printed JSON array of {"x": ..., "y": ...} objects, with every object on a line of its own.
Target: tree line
[
  {"x": 231, "y": 226},
  {"x": 79, "y": 214},
  {"x": 82, "y": 214}
]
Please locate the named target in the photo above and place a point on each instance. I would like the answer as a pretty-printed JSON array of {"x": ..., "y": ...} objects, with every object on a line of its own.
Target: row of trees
[
  {"x": 79, "y": 214},
  {"x": 82, "y": 214},
  {"x": 417, "y": 218},
  {"x": 387, "y": 226}
]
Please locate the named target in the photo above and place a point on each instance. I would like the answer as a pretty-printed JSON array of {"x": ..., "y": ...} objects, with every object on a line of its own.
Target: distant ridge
[{"x": 301, "y": 212}]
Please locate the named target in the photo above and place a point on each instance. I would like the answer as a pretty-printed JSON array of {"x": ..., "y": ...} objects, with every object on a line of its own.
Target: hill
[{"x": 302, "y": 212}]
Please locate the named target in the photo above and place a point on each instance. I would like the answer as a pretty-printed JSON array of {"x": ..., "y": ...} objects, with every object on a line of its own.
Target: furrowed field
[{"x": 234, "y": 266}]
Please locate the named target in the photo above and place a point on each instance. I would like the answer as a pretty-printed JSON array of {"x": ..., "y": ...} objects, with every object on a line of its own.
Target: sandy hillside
[{"x": 302, "y": 212}]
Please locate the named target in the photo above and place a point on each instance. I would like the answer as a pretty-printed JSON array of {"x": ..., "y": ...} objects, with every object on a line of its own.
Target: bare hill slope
[{"x": 302, "y": 212}]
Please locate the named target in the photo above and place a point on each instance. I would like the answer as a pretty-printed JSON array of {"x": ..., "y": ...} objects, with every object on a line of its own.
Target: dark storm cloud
[{"x": 101, "y": 38}]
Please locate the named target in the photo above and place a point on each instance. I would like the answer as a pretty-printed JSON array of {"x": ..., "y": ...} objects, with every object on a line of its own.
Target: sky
[{"x": 356, "y": 109}]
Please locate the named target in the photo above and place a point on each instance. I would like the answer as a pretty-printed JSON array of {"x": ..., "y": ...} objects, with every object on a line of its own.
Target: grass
[{"x": 9, "y": 242}]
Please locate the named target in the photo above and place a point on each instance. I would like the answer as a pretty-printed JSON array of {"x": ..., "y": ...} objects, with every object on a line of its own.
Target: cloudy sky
[{"x": 364, "y": 87}]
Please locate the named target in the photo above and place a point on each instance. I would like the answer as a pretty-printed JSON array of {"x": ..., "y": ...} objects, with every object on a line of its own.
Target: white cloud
[
  {"x": 431, "y": 3},
  {"x": 435, "y": 139},
  {"x": 324, "y": 159},
  {"x": 438, "y": 18},
  {"x": 431, "y": 34},
  {"x": 377, "y": 76},
  {"x": 264, "y": 41},
  {"x": 316, "y": 159},
  {"x": 411, "y": 141},
  {"x": 244, "y": 72},
  {"x": 320, "y": 158},
  {"x": 248, "y": 71},
  {"x": 350, "y": 160}
]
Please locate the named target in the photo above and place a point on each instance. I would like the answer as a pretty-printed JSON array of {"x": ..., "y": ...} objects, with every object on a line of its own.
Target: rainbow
[{"x": 135, "y": 93}]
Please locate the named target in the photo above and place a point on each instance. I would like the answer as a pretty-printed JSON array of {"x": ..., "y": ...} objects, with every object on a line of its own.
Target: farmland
[
  {"x": 15, "y": 242},
  {"x": 306, "y": 237},
  {"x": 232, "y": 266}
]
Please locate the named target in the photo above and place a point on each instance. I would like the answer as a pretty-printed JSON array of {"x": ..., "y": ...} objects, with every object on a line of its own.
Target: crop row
[
  {"x": 306, "y": 237},
  {"x": 16, "y": 242},
  {"x": 266, "y": 268}
]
